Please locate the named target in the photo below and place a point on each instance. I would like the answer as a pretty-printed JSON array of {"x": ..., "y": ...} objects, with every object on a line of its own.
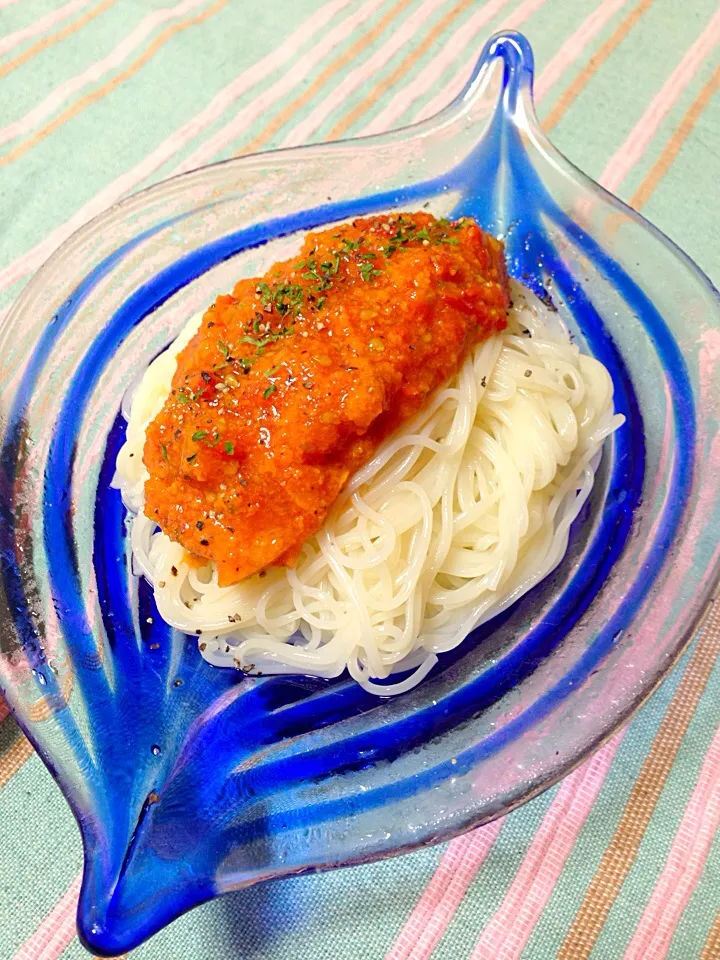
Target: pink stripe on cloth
[
  {"x": 431, "y": 73},
  {"x": 574, "y": 46},
  {"x": 684, "y": 865},
  {"x": 56, "y": 932},
  {"x": 401, "y": 34},
  {"x": 628, "y": 154},
  {"x": 40, "y": 25},
  {"x": 507, "y": 933},
  {"x": 437, "y": 905},
  {"x": 515, "y": 20},
  {"x": 33, "y": 258},
  {"x": 301, "y": 68},
  {"x": 119, "y": 53}
]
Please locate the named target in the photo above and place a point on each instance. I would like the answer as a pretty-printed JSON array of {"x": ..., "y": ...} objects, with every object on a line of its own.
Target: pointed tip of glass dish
[
  {"x": 513, "y": 52},
  {"x": 144, "y": 880},
  {"x": 514, "y": 49}
]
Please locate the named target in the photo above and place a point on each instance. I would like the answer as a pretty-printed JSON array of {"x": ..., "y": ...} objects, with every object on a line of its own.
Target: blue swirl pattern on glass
[{"x": 189, "y": 781}]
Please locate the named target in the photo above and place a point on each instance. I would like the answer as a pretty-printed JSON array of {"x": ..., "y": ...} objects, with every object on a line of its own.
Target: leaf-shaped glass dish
[{"x": 189, "y": 781}]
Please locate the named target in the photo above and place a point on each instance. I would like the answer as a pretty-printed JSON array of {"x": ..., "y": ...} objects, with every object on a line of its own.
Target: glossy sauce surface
[{"x": 294, "y": 379}]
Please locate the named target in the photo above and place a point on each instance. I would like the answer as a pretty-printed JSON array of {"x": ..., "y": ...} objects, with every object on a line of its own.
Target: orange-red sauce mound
[{"x": 293, "y": 381}]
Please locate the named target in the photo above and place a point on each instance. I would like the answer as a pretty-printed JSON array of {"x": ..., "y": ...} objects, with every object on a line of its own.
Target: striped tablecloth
[{"x": 101, "y": 97}]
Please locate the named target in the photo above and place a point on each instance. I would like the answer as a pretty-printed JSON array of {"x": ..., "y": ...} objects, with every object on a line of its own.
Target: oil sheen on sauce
[{"x": 295, "y": 378}]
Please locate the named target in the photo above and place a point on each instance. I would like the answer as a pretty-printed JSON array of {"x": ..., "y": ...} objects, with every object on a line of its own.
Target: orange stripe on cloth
[
  {"x": 640, "y": 807},
  {"x": 111, "y": 85},
  {"x": 169, "y": 148},
  {"x": 14, "y": 756},
  {"x": 39, "y": 24},
  {"x": 594, "y": 64},
  {"x": 381, "y": 88},
  {"x": 684, "y": 865},
  {"x": 673, "y": 146},
  {"x": 633, "y": 147},
  {"x": 711, "y": 947},
  {"x": 289, "y": 111},
  {"x": 53, "y": 38}
]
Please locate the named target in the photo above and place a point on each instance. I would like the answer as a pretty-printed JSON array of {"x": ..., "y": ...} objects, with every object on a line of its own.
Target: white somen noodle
[{"x": 457, "y": 515}]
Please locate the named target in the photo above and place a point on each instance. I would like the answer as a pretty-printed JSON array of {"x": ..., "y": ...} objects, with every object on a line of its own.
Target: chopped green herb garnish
[
  {"x": 182, "y": 396},
  {"x": 255, "y": 341},
  {"x": 320, "y": 302},
  {"x": 199, "y": 434},
  {"x": 322, "y": 281},
  {"x": 271, "y": 370},
  {"x": 367, "y": 271},
  {"x": 265, "y": 293},
  {"x": 223, "y": 348},
  {"x": 229, "y": 447},
  {"x": 268, "y": 390},
  {"x": 288, "y": 298},
  {"x": 163, "y": 451},
  {"x": 260, "y": 342}
]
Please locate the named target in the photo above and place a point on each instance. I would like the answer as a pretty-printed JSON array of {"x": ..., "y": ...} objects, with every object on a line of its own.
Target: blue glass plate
[{"x": 189, "y": 781}]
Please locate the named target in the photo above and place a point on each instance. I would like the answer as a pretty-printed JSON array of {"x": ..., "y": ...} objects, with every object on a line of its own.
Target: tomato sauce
[{"x": 294, "y": 379}]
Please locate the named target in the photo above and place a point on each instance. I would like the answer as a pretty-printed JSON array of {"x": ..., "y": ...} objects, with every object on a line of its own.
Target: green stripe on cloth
[
  {"x": 18, "y": 15},
  {"x": 391, "y": 19},
  {"x": 653, "y": 851},
  {"x": 632, "y": 74},
  {"x": 65, "y": 60},
  {"x": 488, "y": 887},
  {"x": 602, "y": 822},
  {"x": 682, "y": 204},
  {"x": 600, "y": 825},
  {"x": 325, "y": 915},
  {"x": 592, "y": 840},
  {"x": 40, "y": 852},
  {"x": 105, "y": 126},
  {"x": 697, "y": 920},
  {"x": 546, "y": 29},
  {"x": 669, "y": 124}
]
